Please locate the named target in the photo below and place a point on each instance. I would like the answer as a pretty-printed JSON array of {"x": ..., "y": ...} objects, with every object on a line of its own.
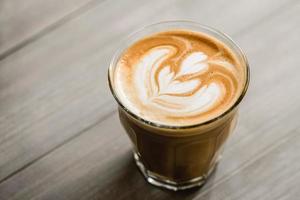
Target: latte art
[
  {"x": 181, "y": 92},
  {"x": 178, "y": 78}
]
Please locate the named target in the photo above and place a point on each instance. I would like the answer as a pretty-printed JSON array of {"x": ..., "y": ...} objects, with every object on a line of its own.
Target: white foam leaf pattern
[
  {"x": 165, "y": 78},
  {"x": 169, "y": 87},
  {"x": 200, "y": 101},
  {"x": 193, "y": 63},
  {"x": 144, "y": 78}
]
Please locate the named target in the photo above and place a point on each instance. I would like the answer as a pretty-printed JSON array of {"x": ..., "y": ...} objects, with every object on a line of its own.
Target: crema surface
[{"x": 178, "y": 78}]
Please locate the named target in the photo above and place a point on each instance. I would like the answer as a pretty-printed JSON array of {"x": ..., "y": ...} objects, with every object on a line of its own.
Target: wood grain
[
  {"x": 274, "y": 174},
  {"x": 22, "y": 22},
  {"x": 60, "y": 137}
]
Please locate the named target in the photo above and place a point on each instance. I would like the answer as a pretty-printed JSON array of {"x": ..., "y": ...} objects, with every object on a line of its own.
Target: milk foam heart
[{"x": 178, "y": 78}]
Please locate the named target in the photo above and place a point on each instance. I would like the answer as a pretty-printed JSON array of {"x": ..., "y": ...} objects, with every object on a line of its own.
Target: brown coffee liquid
[{"x": 171, "y": 154}]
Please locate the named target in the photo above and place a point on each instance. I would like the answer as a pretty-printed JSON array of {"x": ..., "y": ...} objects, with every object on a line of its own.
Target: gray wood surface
[
  {"x": 22, "y": 22},
  {"x": 59, "y": 133}
]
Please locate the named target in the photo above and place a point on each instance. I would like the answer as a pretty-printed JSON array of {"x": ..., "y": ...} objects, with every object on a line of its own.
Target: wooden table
[{"x": 60, "y": 137}]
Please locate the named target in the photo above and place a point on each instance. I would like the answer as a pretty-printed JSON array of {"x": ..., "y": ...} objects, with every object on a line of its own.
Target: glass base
[{"x": 168, "y": 184}]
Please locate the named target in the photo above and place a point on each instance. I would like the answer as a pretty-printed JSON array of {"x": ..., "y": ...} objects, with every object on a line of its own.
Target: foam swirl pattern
[{"x": 178, "y": 78}]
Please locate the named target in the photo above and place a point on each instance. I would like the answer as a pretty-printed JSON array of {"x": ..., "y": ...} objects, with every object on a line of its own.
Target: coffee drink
[{"x": 178, "y": 90}]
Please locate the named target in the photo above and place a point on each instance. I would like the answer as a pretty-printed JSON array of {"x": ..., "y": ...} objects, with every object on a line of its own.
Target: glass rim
[{"x": 188, "y": 23}]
